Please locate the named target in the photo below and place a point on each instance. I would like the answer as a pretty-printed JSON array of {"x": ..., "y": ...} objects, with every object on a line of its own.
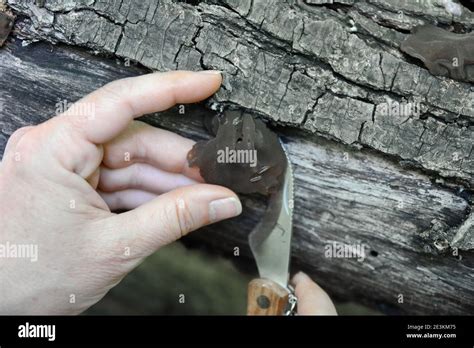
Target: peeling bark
[{"x": 331, "y": 74}]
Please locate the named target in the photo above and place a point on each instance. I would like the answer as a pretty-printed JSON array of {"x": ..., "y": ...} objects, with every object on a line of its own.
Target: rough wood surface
[{"x": 343, "y": 194}]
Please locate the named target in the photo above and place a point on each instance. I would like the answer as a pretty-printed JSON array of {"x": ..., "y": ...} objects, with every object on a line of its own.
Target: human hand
[
  {"x": 312, "y": 300},
  {"x": 60, "y": 180}
]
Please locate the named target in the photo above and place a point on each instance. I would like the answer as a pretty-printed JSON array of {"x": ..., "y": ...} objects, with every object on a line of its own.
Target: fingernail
[
  {"x": 211, "y": 72},
  {"x": 224, "y": 208}
]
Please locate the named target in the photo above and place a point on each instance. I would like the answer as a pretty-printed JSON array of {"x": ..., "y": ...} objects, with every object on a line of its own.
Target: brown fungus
[
  {"x": 245, "y": 155},
  {"x": 444, "y": 53},
  {"x": 6, "y": 25}
]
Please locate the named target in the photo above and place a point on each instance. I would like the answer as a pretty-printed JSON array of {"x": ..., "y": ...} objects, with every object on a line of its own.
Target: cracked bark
[{"x": 326, "y": 72}]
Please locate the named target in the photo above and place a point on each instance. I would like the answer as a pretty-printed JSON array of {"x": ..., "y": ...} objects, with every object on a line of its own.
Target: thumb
[
  {"x": 312, "y": 300},
  {"x": 174, "y": 214}
]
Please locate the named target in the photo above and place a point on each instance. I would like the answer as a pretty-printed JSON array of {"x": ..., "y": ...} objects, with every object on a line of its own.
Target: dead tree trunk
[{"x": 324, "y": 74}]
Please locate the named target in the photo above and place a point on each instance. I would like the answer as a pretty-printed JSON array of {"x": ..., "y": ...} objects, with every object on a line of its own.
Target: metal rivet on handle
[{"x": 263, "y": 302}]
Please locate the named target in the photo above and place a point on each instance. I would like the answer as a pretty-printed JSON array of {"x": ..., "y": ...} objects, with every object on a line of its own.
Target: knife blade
[{"x": 270, "y": 241}]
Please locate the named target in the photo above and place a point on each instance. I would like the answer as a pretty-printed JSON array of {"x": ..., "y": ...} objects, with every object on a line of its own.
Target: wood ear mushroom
[
  {"x": 444, "y": 53},
  {"x": 245, "y": 155}
]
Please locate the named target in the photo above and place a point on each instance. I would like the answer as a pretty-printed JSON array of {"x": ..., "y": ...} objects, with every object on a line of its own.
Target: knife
[{"x": 270, "y": 242}]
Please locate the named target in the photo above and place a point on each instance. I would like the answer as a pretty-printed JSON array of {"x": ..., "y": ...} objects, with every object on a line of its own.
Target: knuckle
[
  {"x": 181, "y": 217},
  {"x": 18, "y": 134},
  {"x": 117, "y": 89},
  {"x": 24, "y": 148},
  {"x": 75, "y": 123},
  {"x": 21, "y": 131},
  {"x": 27, "y": 142}
]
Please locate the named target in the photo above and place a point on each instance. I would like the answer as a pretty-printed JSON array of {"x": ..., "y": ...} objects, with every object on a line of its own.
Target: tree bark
[{"x": 322, "y": 74}]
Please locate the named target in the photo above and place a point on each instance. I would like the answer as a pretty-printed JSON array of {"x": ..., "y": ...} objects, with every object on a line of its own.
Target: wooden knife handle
[{"x": 266, "y": 297}]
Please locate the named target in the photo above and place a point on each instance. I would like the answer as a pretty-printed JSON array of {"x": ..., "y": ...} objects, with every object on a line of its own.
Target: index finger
[{"x": 112, "y": 107}]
